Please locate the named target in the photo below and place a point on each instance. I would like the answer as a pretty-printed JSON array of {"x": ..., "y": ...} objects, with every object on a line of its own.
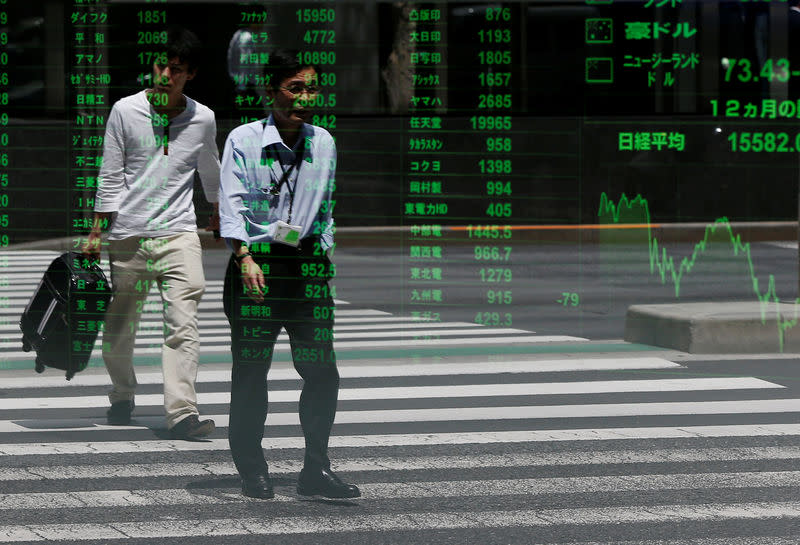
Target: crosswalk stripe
[
  {"x": 154, "y": 328},
  {"x": 40, "y": 258},
  {"x": 46, "y": 256},
  {"x": 418, "y": 489},
  {"x": 283, "y": 346},
  {"x": 748, "y": 540},
  {"x": 425, "y": 392},
  {"x": 360, "y": 325},
  {"x": 460, "y": 414},
  {"x": 461, "y": 341},
  {"x": 27, "y": 281},
  {"x": 399, "y": 322},
  {"x": 402, "y": 521},
  {"x": 20, "y": 298},
  {"x": 361, "y": 332},
  {"x": 154, "y": 314},
  {"x": 356, "y": 464},
  {"x": 616, "y": 466},
  {"x": 22, "y": 282},
  {"x": 394, "y": 440},
  {"x": 212, "y": 309},
  {"x": 343, "y": 316},
  {"x": 403, "y": 333},
  {"x": 146, "y": 337},
  {"x": 33, "y": 271},
  {"x": 30, "y": 273},
  {"x": 281, "y": 372}
]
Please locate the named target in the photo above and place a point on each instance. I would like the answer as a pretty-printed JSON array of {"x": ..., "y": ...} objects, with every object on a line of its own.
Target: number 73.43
[{"x": 773, "y": 69}]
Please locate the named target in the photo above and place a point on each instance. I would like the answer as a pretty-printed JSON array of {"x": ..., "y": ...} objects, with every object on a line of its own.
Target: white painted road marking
[
  {"x": 426, "y": 392},
  {"x": 358, "y": 441},
  {"x": 284, "y": 371},
  {"x": 459, "y": 414},
  {"x": 356, "y": 464},
  {"x": 145, "y": 347},
  {"x": 402, "y": 521},
  {"x": 417, "y": 489}
]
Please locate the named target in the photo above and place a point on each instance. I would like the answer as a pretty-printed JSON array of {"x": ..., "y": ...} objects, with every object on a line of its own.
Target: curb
[{"x": 745, "y": 327}]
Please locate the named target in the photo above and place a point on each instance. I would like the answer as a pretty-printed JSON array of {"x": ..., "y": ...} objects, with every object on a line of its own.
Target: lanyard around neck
[{"x": 275, "y": 189}]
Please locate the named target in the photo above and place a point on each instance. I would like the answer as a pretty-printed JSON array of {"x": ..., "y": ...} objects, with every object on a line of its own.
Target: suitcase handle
[{"x": 54, "y": 290}]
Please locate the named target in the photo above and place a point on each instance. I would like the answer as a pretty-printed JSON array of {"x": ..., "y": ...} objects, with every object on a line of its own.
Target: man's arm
[
  {"x": 252, "y": 275},
  {"x": 110, "y": 181},
  {"x": 213, "y": 221},
  {"x": 326, "y": 211},
  {"x": 208, "y": 168},
  {"x": 232, "y": 210},
  {"x": 111, "y": 178}
]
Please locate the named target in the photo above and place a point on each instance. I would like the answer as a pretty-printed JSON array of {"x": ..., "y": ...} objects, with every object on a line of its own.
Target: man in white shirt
[{"x": 154, "y": 143}]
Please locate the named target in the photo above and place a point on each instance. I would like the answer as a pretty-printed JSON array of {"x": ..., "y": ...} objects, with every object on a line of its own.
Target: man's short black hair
[
  {"x": 283, "y": 63},
  {"x": 184, "y": 44}
]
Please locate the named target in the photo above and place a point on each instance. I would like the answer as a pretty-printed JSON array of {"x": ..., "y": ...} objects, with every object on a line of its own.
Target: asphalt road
[
  {"x": 606, "y": 279},
  {"x": 457, "y": 434}
]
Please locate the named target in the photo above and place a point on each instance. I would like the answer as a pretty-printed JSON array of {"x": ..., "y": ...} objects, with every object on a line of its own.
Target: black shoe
[
  {"x": 258, "y": 486},
  {"x": 191, "y": 427},
  {"x": 324, "y": 482},
  {"x": 120, "y": 413}
]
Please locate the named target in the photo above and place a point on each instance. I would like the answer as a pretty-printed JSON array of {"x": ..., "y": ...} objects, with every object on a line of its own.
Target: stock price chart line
[{"x": 660, "y": 261}]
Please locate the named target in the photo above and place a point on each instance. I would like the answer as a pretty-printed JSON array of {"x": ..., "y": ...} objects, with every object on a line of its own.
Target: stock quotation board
[{"x": 469, "y": 132}]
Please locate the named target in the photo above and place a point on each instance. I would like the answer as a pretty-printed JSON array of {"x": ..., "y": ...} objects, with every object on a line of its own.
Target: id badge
[{"x": 287, "y": 234}]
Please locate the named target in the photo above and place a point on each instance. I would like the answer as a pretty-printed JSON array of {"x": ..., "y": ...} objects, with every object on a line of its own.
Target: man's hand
[
  {"x": 213, "y": 221},
  {"x": 253, "y": 279},
  {"x": 91, "y": 247}
]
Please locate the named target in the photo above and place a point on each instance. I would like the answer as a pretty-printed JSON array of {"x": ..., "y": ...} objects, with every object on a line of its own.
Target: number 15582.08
[{"x": 769, "y": 142}]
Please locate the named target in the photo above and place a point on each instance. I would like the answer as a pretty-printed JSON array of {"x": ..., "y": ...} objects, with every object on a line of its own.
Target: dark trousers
[{"x": 298, "y": 299}]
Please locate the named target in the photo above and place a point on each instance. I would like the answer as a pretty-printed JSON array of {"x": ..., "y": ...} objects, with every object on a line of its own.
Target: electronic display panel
[{"x": 509, "y": 164}]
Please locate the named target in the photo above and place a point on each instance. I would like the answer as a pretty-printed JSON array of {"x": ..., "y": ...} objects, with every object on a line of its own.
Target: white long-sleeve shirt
[{"x": 149, "y": 191}]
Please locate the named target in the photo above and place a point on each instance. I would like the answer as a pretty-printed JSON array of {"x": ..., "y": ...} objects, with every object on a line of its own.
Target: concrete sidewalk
[{"x": 746, "y": 327}]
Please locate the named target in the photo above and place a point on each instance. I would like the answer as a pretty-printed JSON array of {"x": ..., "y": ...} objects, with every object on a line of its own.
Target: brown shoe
[{"x": 191, "y": 427}]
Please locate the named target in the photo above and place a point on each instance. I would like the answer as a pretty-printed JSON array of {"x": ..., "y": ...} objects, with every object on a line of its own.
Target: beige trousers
[{"x": 174, "y": 263}]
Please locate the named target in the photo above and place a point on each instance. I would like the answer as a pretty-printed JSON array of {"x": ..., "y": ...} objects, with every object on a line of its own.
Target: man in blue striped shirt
[{"x": 276, "y": 213}]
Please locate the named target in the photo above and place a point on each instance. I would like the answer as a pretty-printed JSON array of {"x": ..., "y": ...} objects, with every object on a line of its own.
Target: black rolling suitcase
[{"x": 65, "y": 314}]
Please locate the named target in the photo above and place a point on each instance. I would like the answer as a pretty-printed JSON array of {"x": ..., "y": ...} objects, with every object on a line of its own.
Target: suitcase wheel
[
  {"x": 26, "y": 346},
  {"x": 70, "y": 374},
  {"x": 39, "y": 367}
]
